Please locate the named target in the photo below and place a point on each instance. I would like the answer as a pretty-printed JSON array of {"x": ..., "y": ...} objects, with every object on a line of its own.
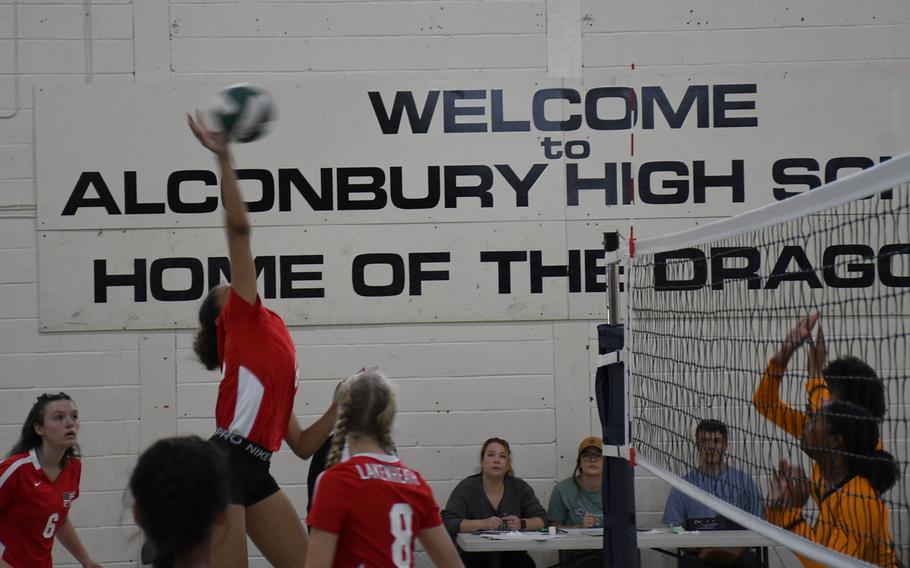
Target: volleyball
[{"x": 242, "y": 111}]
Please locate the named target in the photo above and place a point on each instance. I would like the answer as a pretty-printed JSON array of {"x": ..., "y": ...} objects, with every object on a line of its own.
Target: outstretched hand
[
  {"x": 817, "y": 353},
  {"x": 789, "y": 486},
  {"x": 215, "y": 141},
  {"x": 800, "y": 333}
]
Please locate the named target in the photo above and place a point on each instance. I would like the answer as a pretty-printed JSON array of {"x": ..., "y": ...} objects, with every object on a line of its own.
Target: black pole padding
[
  {"x": 611, "y": 241},
  {"x": 620, "y": 533},
  {"x": 620, "y": 538}
]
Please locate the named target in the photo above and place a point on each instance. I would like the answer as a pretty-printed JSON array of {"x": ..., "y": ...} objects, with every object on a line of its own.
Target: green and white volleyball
[{"x": 242, "y": 111}]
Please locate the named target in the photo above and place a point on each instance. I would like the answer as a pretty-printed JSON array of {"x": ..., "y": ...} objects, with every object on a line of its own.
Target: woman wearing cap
[
  {"x": 494, "y": 499},
  {"x": 578, "y": 501}
]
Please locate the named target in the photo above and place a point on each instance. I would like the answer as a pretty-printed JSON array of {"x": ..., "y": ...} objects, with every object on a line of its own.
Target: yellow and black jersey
[{"x": 852, "y": 520}]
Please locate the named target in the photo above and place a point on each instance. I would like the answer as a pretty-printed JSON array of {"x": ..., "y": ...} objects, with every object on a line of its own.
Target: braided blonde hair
[{"x": 366, "y": 407}]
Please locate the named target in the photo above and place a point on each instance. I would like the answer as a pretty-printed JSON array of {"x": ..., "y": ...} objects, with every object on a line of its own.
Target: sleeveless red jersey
[
  {"x": 259, "y": 372},
  {"x": 377, "y": 507},
  {"x": 32, "y": 507}
]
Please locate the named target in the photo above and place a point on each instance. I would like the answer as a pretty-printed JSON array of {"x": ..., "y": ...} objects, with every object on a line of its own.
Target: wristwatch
[{"x": 524, "y": 524}]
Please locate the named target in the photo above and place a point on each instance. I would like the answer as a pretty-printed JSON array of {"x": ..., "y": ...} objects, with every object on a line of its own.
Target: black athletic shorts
[{"x": 248, "y": 469}]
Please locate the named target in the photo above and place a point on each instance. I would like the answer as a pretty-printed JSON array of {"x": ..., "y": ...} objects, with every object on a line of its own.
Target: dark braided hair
[
  {"x": 205, "y": 344},
  {"x": 30, "y": 439},
  {"x": 179, "y": 488},
  {"x": 366, "y": 407},
  {"x": 859, "y": 430}
]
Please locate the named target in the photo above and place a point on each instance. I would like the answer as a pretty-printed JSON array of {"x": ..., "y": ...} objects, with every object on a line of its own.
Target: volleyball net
[{"x": 706, "y": 310}]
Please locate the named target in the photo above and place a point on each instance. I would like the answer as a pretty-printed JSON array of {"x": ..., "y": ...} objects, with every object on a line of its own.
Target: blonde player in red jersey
[
  {"x": 254, "y": 412},
  {"x": 368, "y": 509},
  {"x": 38, "y": 483}
]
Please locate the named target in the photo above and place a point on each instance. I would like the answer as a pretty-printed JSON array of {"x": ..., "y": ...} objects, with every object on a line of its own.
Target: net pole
[
  {"x": 620, "y": 542},
  {"x": 611, "y": 244}
]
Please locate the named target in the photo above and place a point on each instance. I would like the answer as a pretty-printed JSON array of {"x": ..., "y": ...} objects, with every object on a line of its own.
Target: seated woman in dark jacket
[{"x": 494, "y": 499}]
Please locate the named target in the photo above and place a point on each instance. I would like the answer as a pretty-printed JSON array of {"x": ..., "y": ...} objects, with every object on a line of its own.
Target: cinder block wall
[{"x": 457, "y": 384}]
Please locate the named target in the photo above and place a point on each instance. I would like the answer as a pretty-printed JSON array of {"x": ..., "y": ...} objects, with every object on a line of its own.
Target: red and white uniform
[
  {"x": 376, "y": 506},
  {"x": 32, "y": 507},
  {"x": 259, "y": 372}
]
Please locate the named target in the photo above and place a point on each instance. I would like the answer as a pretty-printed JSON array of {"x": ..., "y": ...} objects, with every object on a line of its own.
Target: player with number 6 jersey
[
  {"x": 368, "y": 510},
  {"x": 39, "y": 481}
]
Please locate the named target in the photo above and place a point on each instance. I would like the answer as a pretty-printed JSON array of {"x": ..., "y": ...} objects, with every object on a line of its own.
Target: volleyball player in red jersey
[
  {"x": 253, "y": 348},
  {"x": 368, "y": 510},
  {"x": 38, "y": 483}
]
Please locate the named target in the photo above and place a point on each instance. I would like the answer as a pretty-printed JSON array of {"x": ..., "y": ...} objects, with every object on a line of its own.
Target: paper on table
[
  {"x": 593, "y": 532},
  {"x": 519, "y": 535}
]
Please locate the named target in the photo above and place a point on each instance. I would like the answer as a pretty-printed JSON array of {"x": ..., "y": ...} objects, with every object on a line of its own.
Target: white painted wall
[{"x": 458, "y": 383}]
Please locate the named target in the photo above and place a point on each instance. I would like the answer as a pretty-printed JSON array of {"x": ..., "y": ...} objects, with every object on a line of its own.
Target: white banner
[{"x": 425, "y": 201}]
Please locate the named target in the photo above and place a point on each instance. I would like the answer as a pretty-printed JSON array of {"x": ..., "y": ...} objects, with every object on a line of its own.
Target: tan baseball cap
[{"x": 590, "y": 442}]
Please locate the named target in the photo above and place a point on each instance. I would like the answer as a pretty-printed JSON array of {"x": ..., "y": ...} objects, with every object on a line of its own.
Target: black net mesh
[{"x": 704, "y": 321}]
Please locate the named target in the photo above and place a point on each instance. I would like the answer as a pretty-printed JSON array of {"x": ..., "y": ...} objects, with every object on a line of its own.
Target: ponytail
[
  {"x": 859, "y": 430},
  {"x": 205, "y": 344},
  {"x": 339, "y": 438}
]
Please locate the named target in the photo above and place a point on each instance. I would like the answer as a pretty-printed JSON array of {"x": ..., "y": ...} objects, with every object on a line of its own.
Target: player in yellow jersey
[
  {"x": 842, "y": 440},
  {"x": 846, "y": 378}
]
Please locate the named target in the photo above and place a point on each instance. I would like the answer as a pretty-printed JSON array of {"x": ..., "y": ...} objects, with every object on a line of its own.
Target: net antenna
[{"x": 709, "y": 315}]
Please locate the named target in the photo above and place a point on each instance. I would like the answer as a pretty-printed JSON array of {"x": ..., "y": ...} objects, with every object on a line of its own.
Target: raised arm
[
  {"x": 768, "y": 403},
  {"x": 305, "y": 442},
  {"x": 856, "y": 521},
  {"x": 800, "y": 333},
  {"x": 767, "y": 398},
  {"x": 789, "y": 493},
  {"x": 817, "y": 393},
  {"x": 236, "y": 222}
]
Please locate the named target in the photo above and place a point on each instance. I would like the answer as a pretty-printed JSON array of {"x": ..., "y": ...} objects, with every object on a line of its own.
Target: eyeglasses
[{"x": 591, "y": 455}]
